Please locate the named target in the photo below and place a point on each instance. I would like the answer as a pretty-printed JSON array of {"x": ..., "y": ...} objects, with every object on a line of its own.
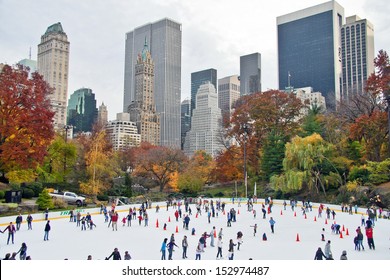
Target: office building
[
  {"x": 309, "y": 50},
  {"x": 165, "y": 41},
  {"x": 357, "y": 45},
  {"x": 199, "y": 78},
  {"x": 82, "y": 111},
  {"x": 228, "y": 94},
  {"x": 206, "y": 128},
  {"x": 250, "y": 73},
  {"x": 123, "y": 133},
  {"x": 185, "y": 120},
  {"x": 53, "y": 65}
]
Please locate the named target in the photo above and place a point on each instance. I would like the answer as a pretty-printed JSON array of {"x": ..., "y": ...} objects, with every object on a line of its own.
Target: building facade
[
  {"x": 122, "y": 132},
  {"x": 165, "y": 41},
  {"x": 206, "y": 129},
  {"x": 309, "y": 50},
  {"x": 199, "y": 78},
  {"x": 358, "y": 53},
  {"x": 250, "y": 73},
  {"x": 311, "y": 98},
  {"x": 185, "y": 120},
  {"x": 102, "y": 115},
  {"x": 53, "y": 65},
  {"x": 228, "y": 94},
  {"x": 143, "y": 109},
  {"x": 82, "y": 111}
]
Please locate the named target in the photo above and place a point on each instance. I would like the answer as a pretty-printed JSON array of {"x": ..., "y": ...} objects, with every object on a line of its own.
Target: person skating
[
  {"x": 219, "y": 245},
  {"x": 29, "y": 220},
  {"x": 184, "y": 245},
  {"x": 164, "y": 249},
  {"x": 11, "y": 232},
  {"x": 127, "y": 256},
  {"x": 239, "y": 239},
  {"x": 344, "y": 255},
  {"x": 198, "y": 252},
  {"x": 328, "y": 251},
  {"x": 370, "y": 238},
  {"x": 254, "y": 229},
  {"x": 22, "y": 251},
  {"x": 18, "y": 221},
  {"x": 115, "y": 254},
  {"x": 170, "y": 246},
  {"x": 272, "y": 224},
  {"x": 231, "y": 249},
  {"x": 319, "y": 254},
  {"x": 47, "y": 230}
]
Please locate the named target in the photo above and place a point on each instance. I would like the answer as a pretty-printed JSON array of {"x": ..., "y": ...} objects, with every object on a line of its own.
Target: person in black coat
[
  {"x": 115, "y": 254},
  {"x": 47, "y": 229},
  {"x": 319, "y": 254}
]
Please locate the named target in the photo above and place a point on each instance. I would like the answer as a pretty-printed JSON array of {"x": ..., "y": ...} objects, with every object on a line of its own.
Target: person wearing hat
[{"x": 344, "y": 255}]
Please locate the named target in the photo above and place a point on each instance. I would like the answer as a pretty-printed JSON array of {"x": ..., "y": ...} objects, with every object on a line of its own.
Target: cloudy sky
[{"x": 215, "y": 34}]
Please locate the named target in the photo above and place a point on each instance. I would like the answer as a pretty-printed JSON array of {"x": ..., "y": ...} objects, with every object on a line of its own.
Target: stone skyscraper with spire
[{"x": 143, "y": 109}]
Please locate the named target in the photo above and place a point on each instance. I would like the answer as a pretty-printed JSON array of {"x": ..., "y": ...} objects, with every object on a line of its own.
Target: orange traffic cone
[
  {"x": 295, "y": 214},
  {"x": 169, "y": 219},
  {"x": 326, "y": 221},
  {"x": 238, "y": 212},
  {"x": 196, "y": 215},
  {"x": 157, "y": 223},
  {"x": 347, "y": 233},
  {"x": 177, "y": 229},
  {"x": 343, "y": 228},
  {"x": 215, "y": 234},
  {"x": 305, "y": 216},
  {"x": 281, "y": 212},
  {"x": 298, "y": 238},
  {"x": 315, "y": 219},
  {"x": 341, "y": 234}
]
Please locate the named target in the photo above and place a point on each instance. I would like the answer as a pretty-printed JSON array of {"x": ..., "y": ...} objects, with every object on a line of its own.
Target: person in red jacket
[
  {"x": 114, "y": 220},
  {"x": 370, "y": 238}
]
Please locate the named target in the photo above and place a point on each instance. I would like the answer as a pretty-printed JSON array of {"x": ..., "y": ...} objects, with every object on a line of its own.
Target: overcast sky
[{"x": 215, "y": 34}]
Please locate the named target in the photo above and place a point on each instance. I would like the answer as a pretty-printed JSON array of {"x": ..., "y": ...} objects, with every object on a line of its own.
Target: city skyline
[{"x": 210, "y": 38}]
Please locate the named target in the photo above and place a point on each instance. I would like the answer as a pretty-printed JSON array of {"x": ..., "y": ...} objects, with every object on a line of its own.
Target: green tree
[
  {"x": 304, "y": 163},
  {"x": 273, "y": 155},
  {"x": 44, "y": 200},
  {"x": 311, "y": 123}
]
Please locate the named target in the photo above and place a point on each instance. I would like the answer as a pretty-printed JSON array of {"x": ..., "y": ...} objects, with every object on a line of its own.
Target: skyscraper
[
  {"x": 250, "y": 73},
  {"x": 185, "y": 120},
  {"x": 102, "y": 114},
  {"x": 143, "y": 109},
  {"x": 309, "y": 50},
  {"x": 53, "y": 64},
  {"x": 228, "y": 94},
  {"x": 199, "y": 78},
  {"x": 82, "y": 111},
  {"x": 205, "y": 133},
  {"x": 357, "y": 45},
  {"x": 164, "y": 39}
]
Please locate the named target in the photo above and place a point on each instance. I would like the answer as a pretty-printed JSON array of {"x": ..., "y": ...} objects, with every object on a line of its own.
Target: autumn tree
[
  {"x": 229, "y": 165},
  {"x": 159, "y": 163},
  {"x": 272, "y": 111},
  {"x": 197, "y": 173},
  {"x": 26, "y": 119},
  {"x": 101, "y": 164}
]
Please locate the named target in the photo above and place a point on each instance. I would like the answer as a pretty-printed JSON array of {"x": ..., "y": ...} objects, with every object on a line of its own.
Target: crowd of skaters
[{"x": 211, "y": 209}]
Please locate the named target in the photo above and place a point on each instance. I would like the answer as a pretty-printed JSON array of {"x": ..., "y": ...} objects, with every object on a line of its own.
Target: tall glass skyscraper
[
  {"x": 199, "y": 78},
  {"x": 250, "y": 73},
  {"x": 165, "y": 40},
  {"x": 82, "y": 111},
  {"x": 357, "y": 44},
  {"x": 309, "y": 50}
]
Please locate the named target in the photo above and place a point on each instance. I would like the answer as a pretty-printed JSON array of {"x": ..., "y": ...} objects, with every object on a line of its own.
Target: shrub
[
  {"x": 219, "y": 194},
  {"x": 27, "y": 193},
  {"x": 36, "y": 187},
  {"x": 44, "y": 200},
  {"x": 60, "y": 203},
  {"x": 359, "y": 174},
  {"x": 102, "y": 197}
]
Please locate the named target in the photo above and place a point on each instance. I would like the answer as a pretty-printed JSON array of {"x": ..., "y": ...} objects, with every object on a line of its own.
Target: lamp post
[
  {"x": 66, "y": 127},
  {"x": 245, "y": 128}
]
